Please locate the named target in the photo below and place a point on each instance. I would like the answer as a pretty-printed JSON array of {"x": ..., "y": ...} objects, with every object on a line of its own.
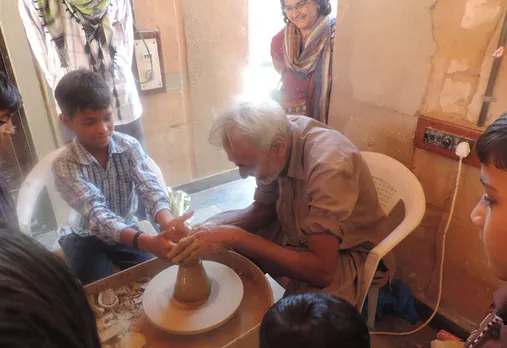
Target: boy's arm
[
  {"x": 86, "y": 199},
  {"x": 153, "y": 195}
]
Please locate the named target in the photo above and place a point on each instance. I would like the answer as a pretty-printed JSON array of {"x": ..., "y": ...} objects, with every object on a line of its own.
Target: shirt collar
[
  {"x": 295, "y": 164},
  {"x": 116, "y": 145}
]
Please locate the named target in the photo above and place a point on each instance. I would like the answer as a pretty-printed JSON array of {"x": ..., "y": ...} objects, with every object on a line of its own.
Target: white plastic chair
[
  {"x": 42, "y": 175},
  {"x": 394, "y": 182}
]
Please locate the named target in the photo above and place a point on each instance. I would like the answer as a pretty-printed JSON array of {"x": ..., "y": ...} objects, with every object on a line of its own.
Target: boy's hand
[
  {"x": 176, "y": 228},
  {"x": 161, "y": 244}
]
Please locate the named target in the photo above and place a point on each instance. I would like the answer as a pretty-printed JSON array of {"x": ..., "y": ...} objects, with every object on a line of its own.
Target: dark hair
[
  {"x": 313, "y": 320},
  {"x": 10, "y": 99},
  {"x": 324, "y": 8},
  {"x": 492, "y": 144},
  {"x": 42, "y": 304},
  {"x": 82, "y": 89}
]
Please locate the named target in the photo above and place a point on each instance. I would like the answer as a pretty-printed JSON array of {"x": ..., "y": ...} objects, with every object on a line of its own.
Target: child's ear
[{"x": 67, "y": 122}]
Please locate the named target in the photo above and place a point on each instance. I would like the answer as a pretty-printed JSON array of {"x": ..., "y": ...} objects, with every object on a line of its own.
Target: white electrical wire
[{"x": 441, "y": 276}]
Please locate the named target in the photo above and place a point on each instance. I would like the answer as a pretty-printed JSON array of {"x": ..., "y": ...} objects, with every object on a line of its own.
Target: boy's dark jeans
[{"x": 91, "y": 259}]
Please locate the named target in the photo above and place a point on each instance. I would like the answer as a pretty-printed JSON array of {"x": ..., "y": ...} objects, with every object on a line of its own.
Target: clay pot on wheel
[{"x": 192, "y": 286}]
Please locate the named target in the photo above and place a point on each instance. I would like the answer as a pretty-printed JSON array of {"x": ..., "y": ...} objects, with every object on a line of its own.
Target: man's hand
[
  {"x": 204, "y": 240},
  {"x": 161, "y": 244},
  {"x": 176, "y": 228}
]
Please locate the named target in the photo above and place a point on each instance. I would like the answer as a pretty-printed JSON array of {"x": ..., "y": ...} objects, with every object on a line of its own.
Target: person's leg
[
  {"x": 86, "y": 257},
  {"x": 125, "y": 257}
]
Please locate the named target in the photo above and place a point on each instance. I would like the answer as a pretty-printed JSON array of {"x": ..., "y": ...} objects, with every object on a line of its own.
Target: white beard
[{"x": 272, "y": 178}]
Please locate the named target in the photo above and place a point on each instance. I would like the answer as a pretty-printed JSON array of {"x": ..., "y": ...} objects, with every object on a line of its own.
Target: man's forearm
[
  {"x": 299, "y": 265},
  {"x": 252, "y": 218}
]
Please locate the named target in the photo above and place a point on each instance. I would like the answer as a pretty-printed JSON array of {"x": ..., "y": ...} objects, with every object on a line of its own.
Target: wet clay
[{"x": 193, "y": 287}]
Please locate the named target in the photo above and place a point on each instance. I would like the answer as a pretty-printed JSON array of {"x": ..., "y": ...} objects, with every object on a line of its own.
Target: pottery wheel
[{"x": 223, "y": 302}]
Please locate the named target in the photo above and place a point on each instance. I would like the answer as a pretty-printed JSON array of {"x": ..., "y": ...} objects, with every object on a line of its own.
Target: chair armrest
[
  {"x": 407, "y": 226},
  {"x": 369, "y": 270}
]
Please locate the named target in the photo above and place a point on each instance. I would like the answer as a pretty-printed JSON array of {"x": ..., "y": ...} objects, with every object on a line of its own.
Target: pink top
[{"x": 295, "y": 87}]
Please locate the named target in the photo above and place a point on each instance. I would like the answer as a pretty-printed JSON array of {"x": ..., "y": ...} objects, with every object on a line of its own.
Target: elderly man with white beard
[{"x": 315, "y": 214}]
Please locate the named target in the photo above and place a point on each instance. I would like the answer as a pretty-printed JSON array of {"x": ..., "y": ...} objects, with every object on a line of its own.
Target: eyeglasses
[{"x": 289, "y": 9}]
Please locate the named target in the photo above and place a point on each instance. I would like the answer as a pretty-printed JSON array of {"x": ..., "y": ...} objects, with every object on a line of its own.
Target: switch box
[
  {"x": 148, "y": 62},
  {"x": 443, "y": 137}
]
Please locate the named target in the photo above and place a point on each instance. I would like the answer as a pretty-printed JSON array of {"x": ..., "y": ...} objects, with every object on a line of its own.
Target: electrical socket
[{"x": 443, "y": 139}]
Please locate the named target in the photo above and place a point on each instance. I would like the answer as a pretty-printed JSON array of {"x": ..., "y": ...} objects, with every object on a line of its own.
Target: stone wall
[{"x": 395, "y": 60}]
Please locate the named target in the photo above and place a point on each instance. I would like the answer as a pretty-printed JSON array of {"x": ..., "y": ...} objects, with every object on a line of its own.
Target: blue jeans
[{"x": 91, "y": 259}]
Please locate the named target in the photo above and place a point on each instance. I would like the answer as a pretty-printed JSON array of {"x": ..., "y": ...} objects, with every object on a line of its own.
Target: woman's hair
[
  {"x": 10, "y": 99},
  {"x": 491, "y": 147},
  {"x": 324, "y": 8},
  {"x": 42, "y": 304},
  {"x": 313, "y": 320},
  {"x": 260, "y": 120}
]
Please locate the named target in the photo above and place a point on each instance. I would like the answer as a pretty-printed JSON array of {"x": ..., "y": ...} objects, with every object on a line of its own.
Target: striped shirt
[
  {"x": 46, "y": 53},
  {"x": 7, "y": 206},
  {"x": 105, "y": 199}
]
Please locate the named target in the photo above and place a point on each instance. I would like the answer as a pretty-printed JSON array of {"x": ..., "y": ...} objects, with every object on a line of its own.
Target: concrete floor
[{"x": 420, "y": 339}]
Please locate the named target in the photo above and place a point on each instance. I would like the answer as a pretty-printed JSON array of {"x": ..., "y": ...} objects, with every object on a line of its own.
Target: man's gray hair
[{"x": 260, "y": 120}]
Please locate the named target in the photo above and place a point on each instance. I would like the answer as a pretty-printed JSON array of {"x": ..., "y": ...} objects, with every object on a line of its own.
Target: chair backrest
[
  {"x": 393, "y": 182},
  {"x": 31, "y": 188},
  {"x": 158, "y": 173},
  {"x": 42, "y": 175}
]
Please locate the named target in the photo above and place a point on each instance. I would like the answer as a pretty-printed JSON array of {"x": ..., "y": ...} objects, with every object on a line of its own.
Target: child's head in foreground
[
  {"x": 10, "y": 101},
  {"x": 490, "y": 213},
  {"x": 85, "y": 100},
  {"x": 42, "y": 304},
  {"x": 313, "y": 320}
]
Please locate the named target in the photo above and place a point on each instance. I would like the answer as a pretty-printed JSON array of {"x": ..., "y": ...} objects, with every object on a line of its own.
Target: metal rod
[{"x": 492, "y": 77}]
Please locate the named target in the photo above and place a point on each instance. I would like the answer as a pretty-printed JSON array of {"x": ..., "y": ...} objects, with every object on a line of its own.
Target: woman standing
[{"x": 302, "y": 54}]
